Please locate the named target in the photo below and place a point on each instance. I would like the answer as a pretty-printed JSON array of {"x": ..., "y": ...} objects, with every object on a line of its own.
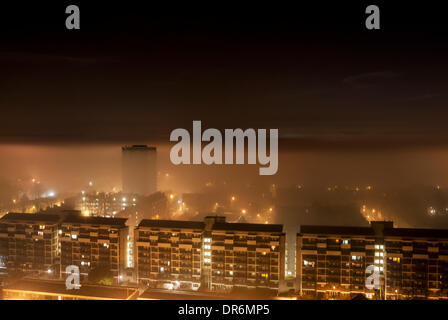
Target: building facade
[
  {"x": 214, "y": 254},
  {"x": 91, "y": 242},
  {"x": 169, "y": 252},
  {"x": 101, "y": 204},
  {"x": 48, "y": 243},
  {"x": 379, "y": 261},
  {"x": 29, "y": 242}
]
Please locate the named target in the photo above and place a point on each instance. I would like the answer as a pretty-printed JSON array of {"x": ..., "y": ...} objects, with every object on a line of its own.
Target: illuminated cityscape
[{"x": 262, "y": 156}]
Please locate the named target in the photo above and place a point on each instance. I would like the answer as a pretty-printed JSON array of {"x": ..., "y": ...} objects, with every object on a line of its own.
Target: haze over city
[{"x": 87, "y": 183}]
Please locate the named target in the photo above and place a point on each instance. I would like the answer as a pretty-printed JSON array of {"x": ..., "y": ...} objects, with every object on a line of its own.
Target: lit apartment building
[
  {"x": 89, "y": 242},
  {"x": 101, "y": 204},
  {"x": 244, "y": 254},
  {"x": 169, "y": 251},
  {"x": 29, "y": 242},
  {"x": 48, "y": 243},
  {"x": 213, "y": 253},
  {"x": 332, "y": 262}
]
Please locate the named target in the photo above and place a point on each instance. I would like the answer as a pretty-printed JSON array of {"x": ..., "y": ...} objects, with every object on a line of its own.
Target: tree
[{"x": 101, "y": 275}]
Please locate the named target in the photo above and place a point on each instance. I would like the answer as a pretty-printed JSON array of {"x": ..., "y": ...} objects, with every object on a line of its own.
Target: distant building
[
  {"x": 411, "y": 263},
  {"x": 214, "y": 254},
  {"x": 102, "y": 204},
  {"x": 154, "y": 206},
  {"x": 139, "y": 170}
]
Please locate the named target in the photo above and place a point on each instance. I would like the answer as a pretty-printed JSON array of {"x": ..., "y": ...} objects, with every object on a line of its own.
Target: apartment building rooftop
[
  {"x": 336, "y": 230},
  {"x": 138, "y": 147},
  {"x": 385, "y": 227},
  {"x": 219, "y": 223},
  {"x": 249, "y": 227},
  {"x": 38, "y": 217},
  {"x": 176, "y": 224},
  {"x": 62, "y": 217},
  {"x": 416, "y": 233},
  {"x": 119, "y": 222}
]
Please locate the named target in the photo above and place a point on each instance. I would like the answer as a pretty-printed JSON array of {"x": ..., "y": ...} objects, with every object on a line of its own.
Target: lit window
[
  {"x": 207, "y": 253},
  {"x": 231, "y": 273},
  {"x": 377, "y": 254},
  {"x": 381, "y": 247},
  {"x": 74, "y": 236},
  {"x": 377, "y": 261},
  {"x": 305, "y": 262},
  {"x": 377, "y": 246},
  {"x": 344, "y": 241}
]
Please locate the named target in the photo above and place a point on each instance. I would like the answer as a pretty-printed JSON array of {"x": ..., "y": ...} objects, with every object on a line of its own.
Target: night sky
[
  {"x": 352, "y": 105},
  {"x": 135, "y": 73}
]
